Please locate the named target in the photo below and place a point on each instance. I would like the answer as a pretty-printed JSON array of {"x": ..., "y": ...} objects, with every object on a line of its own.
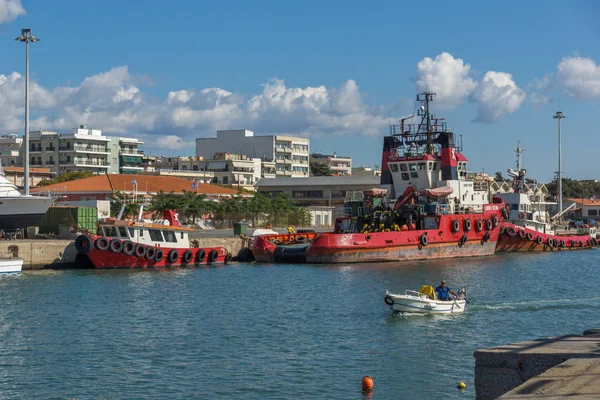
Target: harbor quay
[
  {"x": 551, "y": 368},
  {"x": 55, "y": 253}
]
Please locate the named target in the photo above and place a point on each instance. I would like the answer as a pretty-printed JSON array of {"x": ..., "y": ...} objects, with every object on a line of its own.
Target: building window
[
  {"x": 170, "y": 236},
  {"x": 338, "y": 193},
  {"x": 225, "y": 180},
  {"x": 155, "y": 235},
  {"x": 592, "y": 213},
  {"x": 298, "y": 193},
  {"x": 316, "y": 193}
]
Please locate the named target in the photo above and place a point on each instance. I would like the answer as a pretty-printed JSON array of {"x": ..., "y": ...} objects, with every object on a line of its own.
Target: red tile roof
[
  {"x": 586, "y": 202},
  {"x": 145, "y": 183}
]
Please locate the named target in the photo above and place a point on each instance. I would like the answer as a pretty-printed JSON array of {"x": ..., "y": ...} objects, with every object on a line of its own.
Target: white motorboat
[
  {"x": 10, "y": 265},
  {"x": 424, "y": 301}
]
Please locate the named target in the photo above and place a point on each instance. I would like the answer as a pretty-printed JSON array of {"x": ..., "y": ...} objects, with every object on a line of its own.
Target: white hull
[
  {"x": 421, "y": 304},
  {"x": 10, "y": 265}
]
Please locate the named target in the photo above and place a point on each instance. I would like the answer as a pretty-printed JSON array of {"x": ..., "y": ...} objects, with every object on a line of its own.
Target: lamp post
[
  {"x": 26, "y": 37},
  {"x": 559, "y": 115}
]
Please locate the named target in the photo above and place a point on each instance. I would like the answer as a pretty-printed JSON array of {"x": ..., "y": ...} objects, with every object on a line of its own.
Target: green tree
[
  {"x": 499, "y": 177},
  {"x": 66, "y": 177},
  {"x": 117, "y": 199},
  {"x": 319, "y": 169}
]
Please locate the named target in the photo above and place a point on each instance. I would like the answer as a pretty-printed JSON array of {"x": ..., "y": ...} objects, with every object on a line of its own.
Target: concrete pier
[
  {"x": 51, "y": 253},
  {"x": 552, "y": 368}
]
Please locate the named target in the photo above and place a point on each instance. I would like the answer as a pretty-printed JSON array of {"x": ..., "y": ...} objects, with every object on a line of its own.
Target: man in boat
[{"x": 442, "y": 291}]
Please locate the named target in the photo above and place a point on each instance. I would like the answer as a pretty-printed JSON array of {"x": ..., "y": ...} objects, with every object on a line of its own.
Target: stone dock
[
  {"x": 564, "y": 367},
  {"x": 51, "y": 253}
]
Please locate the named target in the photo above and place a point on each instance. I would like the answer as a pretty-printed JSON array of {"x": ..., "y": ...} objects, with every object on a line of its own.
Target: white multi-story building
[
  {"x": 83, "y": 150},
  {"x": 10, "y": 148},
  {"x": 338, "y": 165},
  {"x": 288, "y": 154}
]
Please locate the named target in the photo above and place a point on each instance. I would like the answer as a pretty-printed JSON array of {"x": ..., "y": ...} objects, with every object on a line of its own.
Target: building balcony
[
  {"x": 283, "y": 149},
  {"x": 35, "y": 150},
  {"x": 85, "y": 163},
  {"x": 51, "y": 162},
  {"x": 50, "y": 148},
  {"x": 85, "y": 149},
  {"x": 128, "y": 152}
]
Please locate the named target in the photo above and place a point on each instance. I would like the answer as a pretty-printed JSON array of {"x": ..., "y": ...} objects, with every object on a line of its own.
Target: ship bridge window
[
  {"x": 422, "y": 166},
  {"x": 170, "y": 236},
  {"x": 414, "y": 175},
  {"x": 394, "y": 167},
  {"x": 405, "y": 176},
  {"x": 430, "y": 166},
  {"x": 435, "y": 166},
  {"x": 412, "y": 166},
  {"x": 514, "y": 207},
  {"x": 155, "y": 235},
  {"x": 131, "y": 232},
  {"x": 110, "y": 231},
  {"x": 403, "y": 167},
  {"x": 123, "y": 232}
]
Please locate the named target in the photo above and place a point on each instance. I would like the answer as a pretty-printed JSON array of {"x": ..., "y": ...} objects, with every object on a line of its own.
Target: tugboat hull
[{"x": 515, "y": 238}]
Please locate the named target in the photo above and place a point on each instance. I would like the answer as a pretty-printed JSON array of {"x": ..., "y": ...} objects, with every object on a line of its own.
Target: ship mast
[
  {"x": 519, "y": 151},
  {"x": 426, "y": 97}
]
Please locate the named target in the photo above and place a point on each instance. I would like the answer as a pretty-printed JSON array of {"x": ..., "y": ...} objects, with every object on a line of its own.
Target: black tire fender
[
  {"x": 187, "y": 257},
  {"x": 388, "y": 300},
  {"x": 468, "y": 225},
  {"x": 102, "y": 243},
  {"x": 173, "y": 256},
  {"x": 128, "y": 248},
  {"x": 200, "y": 256},
  {"x": 455, "y": 226},
  {"x": 116, "y": 246},
  {"x": 150, "y": 253},
  {"x": 423, "y": 239},
  {"x": 140, "y": 250},
  {"x": 83, "y": 244},
  {"x": 159, "y": 255},
  {"x": 213, "y": 255}
]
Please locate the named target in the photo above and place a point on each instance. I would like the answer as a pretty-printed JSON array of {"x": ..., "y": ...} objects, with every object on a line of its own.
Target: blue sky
[{"x": 333, "y": 71}]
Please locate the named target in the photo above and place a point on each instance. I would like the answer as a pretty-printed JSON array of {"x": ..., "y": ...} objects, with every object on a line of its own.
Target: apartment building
[
  {"x": 84, "y": 150},
  {"x": 288, "y": 155},
  {"x": 235, "y": 170},
  {"x": 338, "y": 165},
  {"x": 10, "y": 147}
]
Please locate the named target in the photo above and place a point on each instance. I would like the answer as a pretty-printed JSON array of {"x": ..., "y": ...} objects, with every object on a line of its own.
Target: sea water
[{"x": 253, "y": 331}]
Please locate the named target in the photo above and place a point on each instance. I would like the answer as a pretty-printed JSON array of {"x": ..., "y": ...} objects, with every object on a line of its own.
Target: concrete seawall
[
  {"x": 548, "y": 368},
  {"x": 40, "y": 253}
]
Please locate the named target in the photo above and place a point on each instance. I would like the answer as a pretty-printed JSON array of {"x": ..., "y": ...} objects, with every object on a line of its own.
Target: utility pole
[
  {"x": 26, "y": 37},
  {"x": 559, "y": 115}
]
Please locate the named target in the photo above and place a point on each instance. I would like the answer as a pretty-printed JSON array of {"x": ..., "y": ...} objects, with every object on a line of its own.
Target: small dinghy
[{"x": 425, "y": 302}]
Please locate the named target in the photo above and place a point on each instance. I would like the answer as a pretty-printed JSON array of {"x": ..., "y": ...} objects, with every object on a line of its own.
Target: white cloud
[
  {"x": 10, "y": 10},
  {"x": 540, "y": 91},
  {"x": 447, "y": 76},
  {"x": 579, "y": 77},
  {"x": 113, "y": 102},
  {"x": 497, "y": 94},
  {"x": 172, "y": 142}
]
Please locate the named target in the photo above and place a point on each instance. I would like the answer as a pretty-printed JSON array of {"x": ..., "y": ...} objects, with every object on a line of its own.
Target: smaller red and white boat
[{"x": 135, "y": 244}]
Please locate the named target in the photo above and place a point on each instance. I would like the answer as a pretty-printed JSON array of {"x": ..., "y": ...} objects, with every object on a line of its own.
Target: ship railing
[
  {"x": 444, "y": 209},
  {"x": 470, "y": 209}
]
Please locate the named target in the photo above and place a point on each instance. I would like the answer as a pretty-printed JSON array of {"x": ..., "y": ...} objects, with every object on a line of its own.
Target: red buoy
[{"x": 367, "y": 383}]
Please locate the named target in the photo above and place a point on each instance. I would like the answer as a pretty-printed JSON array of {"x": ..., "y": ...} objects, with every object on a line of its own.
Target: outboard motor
[{"x": 462, "y": 294}]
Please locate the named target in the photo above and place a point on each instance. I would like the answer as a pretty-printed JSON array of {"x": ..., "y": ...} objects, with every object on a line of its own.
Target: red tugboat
[
  {"x": 440, "y": 212},
  {"x": 133, "y": 244},
  {"x": 529, "y": 226}
]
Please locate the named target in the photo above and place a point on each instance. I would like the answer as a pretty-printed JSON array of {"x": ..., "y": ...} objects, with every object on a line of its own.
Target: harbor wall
[
  {"x": 519, "y": 370},
  {"x": 52, "y": 253}
]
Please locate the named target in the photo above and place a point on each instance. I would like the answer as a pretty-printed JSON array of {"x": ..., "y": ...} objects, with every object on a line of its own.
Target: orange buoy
[{"x": 367, "y": 383}]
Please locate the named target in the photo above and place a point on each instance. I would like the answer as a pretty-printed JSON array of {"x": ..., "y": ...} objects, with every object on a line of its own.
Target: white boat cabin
[
  {"x": 149, "y": 234},
  {"x": 426, "y": 173}
]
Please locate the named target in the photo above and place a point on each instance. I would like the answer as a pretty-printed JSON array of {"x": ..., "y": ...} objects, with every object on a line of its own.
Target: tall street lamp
[
  {"x": 559, "y": 115},
  {"x": 26, "y": 37}
]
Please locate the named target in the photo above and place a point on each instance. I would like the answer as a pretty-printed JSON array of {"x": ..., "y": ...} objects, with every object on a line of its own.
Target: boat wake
[{"x": 573, "y": 303}]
